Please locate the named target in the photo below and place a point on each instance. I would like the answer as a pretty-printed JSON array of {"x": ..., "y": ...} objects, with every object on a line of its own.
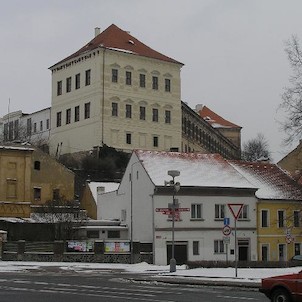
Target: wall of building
[
  {"x": 273, "y": 235},
  {"x": 15, "y": 178},
  {"x": 101, "y": 126},
  {"x": 49, "y": 175}
]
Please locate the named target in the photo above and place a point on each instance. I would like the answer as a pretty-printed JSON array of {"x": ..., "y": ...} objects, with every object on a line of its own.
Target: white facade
[
  {"x": 90, "y": 108},
  {"x": 142, "y": 193},
  {"x": 32, "y": 127}
]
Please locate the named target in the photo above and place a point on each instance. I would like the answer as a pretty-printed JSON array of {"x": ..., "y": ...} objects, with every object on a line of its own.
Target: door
[
  {"x": 243, "y": 249},
  {"x": 180, "y": 252}
]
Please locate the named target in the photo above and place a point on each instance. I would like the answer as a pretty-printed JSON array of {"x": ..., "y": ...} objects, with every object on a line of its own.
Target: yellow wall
[
  {"x": 273, "y": 235},
  {"x": 52, "y": 175},
  {"x": 88, "y": 203},
  {"x": 15, "y": 177}
]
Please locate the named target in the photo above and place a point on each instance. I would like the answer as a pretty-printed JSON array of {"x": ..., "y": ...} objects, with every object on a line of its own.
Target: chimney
[
  {"x": 97, "y": 31},
  {"x": 198, "y": 107}
]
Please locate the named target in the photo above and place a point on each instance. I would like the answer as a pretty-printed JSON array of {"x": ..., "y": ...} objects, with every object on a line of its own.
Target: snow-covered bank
[{"x": 244, "y": 274}]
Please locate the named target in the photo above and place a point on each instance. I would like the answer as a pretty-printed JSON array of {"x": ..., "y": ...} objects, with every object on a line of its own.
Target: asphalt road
[{"x": 109, "y": 286}]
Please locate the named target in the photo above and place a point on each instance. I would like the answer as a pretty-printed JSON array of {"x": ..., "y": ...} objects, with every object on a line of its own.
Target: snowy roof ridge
[
  {"x": 273, "y": 182},
  {"x": 196, "y": 169}
]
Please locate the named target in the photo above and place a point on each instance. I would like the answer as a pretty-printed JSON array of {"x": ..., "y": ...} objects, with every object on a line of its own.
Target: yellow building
[
  {"x": 279, "y": 229},
  {"x": 15, "y": 181},
  {"x": 30, "y": 177},
  {"x": 279, "y": 232}
]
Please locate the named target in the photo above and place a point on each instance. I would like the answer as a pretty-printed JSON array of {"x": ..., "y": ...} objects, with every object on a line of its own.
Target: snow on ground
[{"x": 228, "y": 274}]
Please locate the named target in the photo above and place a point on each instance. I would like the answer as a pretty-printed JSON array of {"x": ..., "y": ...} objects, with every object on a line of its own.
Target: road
[{"x": 109, "y": 286}]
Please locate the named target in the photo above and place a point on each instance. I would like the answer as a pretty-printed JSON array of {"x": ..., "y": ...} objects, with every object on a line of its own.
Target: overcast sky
[{"x": 233, "y": 51}]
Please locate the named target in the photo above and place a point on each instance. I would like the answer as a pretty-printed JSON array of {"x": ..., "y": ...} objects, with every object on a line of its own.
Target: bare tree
[
  {"x": 256, "y": 149},
  {"x": 66, "y": 216},
  {"x": 292, "y": 95}
]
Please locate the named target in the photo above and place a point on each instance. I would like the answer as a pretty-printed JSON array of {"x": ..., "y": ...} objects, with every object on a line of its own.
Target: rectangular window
[
  {"x": 87, "y": 111},
  {"x": 11, "y": 188},
  {"x": 47, "y": 124},
  {"x": 87, "y": 77},
  {"x": 35, "y": 127},
  {"x": 196, "y": 211},
  {"x": 59, "y": 87},
  {"x": 68, "y": 84},
  {"x": 41, "y": 125},
  {"x": 296, "y": 219},
  {"x": 93, "y": 234},
  {"x": 114, "y": 109},
  {"x": 28, "y": 126},
  {"x": 114, "y": 75},
  {"x": 77, "y": 81},
  {"x": 244, "y": 214},
  {"x": 56, "y": 194},
  {"x": 282, "y": 252},
  {"x": 128, "y": 138},
  {"x": 167, "y": 85},
  {"x": 155, "y": 83},
  {"x": 281, "y": 218},
  {"x": 59, "y": 119},
  {"x": 142, "y": 80},
  {"x": 264, "y": 218},
  {"x": 297, "y": 249},
  {"x": 128, "y": 78},
  {"x": 219, "y": 211},
  {"x": 155, "y": 141},
  {"x": 5, "y": 130},
  {"x": 113, "y": 234},
  {"x": 218, "y": 247},
  {"x": 128, "y": 111},
  {"x": 11, "y": 131},
  {"x": 167, "y": 116},
  {"x": 264, "y": 252},
  {"x": 142, "y": 113},
  {"x": 154, "y": 115},
  {"x": 195, "y": 247},
  {"x": 16, "y": 129},
  {"x": 37, "y": 193},
  {"x": 76, "y": 113},
  {"x": 68, "y": 116}
]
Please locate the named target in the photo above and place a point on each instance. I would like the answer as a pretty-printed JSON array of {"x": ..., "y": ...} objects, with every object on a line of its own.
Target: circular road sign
[{"x": 226, "y": 230}]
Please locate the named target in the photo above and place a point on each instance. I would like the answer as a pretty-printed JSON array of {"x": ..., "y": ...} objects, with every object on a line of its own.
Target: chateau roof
[
  {"x": 214, "y": 119},
  {"x": 273, "y": 183},
  {"x": 116, "y": 39}
]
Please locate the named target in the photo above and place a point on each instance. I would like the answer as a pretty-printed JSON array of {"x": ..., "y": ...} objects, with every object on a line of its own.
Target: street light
[
  {"x": 176, "y": 187},
  {"x": 131, "y": 211}
]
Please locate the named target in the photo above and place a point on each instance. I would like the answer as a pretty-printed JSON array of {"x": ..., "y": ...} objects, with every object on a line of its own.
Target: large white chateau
[{"x": 115, "y": 91}]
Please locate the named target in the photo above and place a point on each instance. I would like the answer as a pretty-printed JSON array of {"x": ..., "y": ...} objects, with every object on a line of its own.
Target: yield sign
[{"x": 235, "y": 209}]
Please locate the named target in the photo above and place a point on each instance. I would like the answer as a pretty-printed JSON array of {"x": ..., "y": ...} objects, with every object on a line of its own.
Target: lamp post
[
  {"x": 176, "y": 187},
  {"x": 131, "y": 211}
]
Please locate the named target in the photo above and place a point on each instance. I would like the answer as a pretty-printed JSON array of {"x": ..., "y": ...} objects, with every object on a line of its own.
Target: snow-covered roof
[
  {"x": 107, "y": 187},
  {"x": 273, "y": 183},
  {"x": 199, "y": 170}
]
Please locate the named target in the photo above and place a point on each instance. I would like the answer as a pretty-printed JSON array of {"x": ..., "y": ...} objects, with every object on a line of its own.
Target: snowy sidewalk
[{"x": 249, "y": 277}]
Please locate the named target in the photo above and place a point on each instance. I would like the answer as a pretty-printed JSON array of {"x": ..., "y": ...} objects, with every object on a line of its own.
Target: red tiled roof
[
  {"x": 117, "y": 39},
  {"x": 214, "y": 119},
  {"x": 273, "y": 182}
]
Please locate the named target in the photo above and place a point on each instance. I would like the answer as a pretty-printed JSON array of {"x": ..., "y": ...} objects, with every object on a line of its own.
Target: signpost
[{"x": 235, "y": 209}]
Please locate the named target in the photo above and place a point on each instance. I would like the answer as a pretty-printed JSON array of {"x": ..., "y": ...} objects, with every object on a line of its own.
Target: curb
[{"x": 190, "y": 281}]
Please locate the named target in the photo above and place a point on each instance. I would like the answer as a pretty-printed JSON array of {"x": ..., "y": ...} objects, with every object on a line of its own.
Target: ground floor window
[{"x": 218, "y": 247}]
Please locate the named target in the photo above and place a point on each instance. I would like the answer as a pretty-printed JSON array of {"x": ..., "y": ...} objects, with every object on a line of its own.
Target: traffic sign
[
  {"x": 226, "y": 230},
  {"x": 235, "y": 209},
  {"x": 226, "y": 240},
  {"x": 226, "y": 221}
]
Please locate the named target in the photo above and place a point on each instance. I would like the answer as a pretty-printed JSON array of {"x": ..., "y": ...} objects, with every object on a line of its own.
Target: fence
[{"x": 73, "y": 251}]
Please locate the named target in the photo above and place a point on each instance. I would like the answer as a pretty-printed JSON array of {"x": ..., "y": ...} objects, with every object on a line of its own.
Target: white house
[
  {"x": 32, "y": 127},
  {"x": 208, "y": 184}
]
